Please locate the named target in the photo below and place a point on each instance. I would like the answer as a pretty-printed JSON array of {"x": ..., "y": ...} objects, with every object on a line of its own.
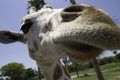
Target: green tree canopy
[
  {"x": 13, "y": 70},
  {"x": 29, "y": 74}
]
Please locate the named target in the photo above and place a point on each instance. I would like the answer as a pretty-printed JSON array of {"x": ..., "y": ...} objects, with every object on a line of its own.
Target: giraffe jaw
[{"x": 79, "y": 52}]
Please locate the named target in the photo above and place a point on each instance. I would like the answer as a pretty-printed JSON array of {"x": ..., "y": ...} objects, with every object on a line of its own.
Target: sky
[{"x": 12, "y": 11}]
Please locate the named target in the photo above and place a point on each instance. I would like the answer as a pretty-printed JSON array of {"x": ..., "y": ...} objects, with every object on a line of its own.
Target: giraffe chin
[{"x": 79, "y": 52}]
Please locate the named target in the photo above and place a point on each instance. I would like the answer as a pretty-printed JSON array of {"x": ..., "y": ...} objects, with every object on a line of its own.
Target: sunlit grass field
[{"x": 110, "y": 72}]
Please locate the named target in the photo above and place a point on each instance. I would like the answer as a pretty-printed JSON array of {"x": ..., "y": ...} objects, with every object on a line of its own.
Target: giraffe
[
  {"x": 52, "y": 70},
  {"x": 80, "y": 31}
]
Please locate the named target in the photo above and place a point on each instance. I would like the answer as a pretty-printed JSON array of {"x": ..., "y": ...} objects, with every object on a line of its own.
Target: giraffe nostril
[
  {"x": 74, "y": 8},
  {"x": 72, "y": 12}
]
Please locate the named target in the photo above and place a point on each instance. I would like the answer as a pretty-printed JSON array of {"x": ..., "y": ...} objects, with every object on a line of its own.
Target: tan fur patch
[
  {"x": 31, "y": 50},
  {"x": 85, "y": 56},
  {"x": 35, "y": 45},
  {"x": 31, "y": 53}
]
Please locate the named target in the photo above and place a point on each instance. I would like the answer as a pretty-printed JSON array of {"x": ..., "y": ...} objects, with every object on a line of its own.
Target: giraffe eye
[{"x": 26, "y": 26}]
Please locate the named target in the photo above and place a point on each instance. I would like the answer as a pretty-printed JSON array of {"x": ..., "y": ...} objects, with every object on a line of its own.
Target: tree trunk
[
  {"x": 77, "y": 71},
  {"x": 97, "y": 69},
  {"x": 39, "y": 74}
]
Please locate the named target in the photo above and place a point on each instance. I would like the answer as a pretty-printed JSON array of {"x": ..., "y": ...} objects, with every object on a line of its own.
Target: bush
[{"x": 118, "y": 56}]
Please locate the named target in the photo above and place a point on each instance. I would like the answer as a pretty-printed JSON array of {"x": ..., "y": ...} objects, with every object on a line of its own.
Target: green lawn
[{"x": 110, "y": 72}]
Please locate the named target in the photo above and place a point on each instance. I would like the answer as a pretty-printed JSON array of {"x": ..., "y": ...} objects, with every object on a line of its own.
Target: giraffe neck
[{"x": 55, "y": 71}]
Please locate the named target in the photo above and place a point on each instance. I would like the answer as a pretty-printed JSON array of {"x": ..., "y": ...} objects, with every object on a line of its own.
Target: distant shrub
[{"x": 118, "y": 56}]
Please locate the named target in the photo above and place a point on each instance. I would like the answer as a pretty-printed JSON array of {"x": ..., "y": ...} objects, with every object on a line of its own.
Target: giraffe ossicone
[{"x": 80, "y": 31}]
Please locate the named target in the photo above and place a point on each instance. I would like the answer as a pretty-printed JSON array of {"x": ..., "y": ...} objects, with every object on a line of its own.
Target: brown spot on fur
[
  {"x": 57, "y": 73},
  {"x": 31, "y": 50},
  {"x": 31, "y": 53},
  {"x": 35, "y": 45}
]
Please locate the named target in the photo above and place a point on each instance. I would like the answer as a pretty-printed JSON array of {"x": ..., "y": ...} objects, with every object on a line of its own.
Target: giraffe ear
[
  {"x": 72, "y": 12},
  {"x": 7, "y": 37}
]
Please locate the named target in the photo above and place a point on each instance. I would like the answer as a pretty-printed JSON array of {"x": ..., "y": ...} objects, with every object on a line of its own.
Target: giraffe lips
[
  {"x": 79, "y": 52},
  {"x": 76, "y": 46}
]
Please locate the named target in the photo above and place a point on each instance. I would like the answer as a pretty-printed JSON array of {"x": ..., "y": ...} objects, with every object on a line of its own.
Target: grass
[
  {"x": 107, "y": 75},
  {"x": 110, "y": 72}
]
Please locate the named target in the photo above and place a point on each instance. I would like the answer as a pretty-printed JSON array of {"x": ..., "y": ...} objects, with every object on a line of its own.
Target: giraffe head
[
  {"x": 80, "y": 31},
  {"x": 36, "y": 27}
]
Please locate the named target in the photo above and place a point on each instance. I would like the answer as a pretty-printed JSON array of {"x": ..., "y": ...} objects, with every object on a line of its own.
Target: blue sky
[{"x": 12, "y": 11}]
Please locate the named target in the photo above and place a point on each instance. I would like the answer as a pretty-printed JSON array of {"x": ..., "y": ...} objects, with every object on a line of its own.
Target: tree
[
  {"x": 115, "y": 52},
  {"x": 29, "y": 74},
  {"x": 13, "y": 70}
]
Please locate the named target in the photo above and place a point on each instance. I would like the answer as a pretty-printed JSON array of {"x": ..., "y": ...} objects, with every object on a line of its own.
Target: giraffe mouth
[
  {"x": 76, "y": 46},
  {"x": 79, "y": 52}
]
